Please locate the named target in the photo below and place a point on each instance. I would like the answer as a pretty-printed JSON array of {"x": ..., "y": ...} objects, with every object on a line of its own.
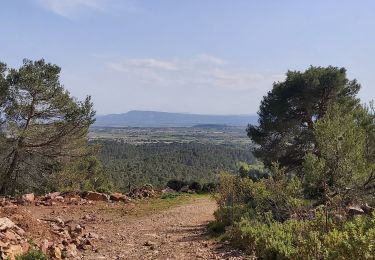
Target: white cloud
[
  {"x": 201, "y": 71},
  {"x": 174, "y": 84},
  {"x": 67, "y": 8},
  {"x": 144, "y": 64},
  {"x": 236, "y": 79},
  {"x": 210, "y": 59}
]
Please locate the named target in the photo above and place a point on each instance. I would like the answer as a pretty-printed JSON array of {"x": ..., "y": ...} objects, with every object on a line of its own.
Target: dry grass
[{"x": 153, "y": 205}]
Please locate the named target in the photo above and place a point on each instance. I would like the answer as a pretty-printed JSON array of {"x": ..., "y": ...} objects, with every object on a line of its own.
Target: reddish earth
[{"x": 176, "y": 233}]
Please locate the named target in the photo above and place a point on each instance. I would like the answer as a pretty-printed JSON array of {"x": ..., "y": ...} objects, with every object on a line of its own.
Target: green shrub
[
  {"x": 209, "y": 187},
  {"x": 279, "y": 195},
  {"x": 307, "y": 239},
  {"x": 196, "y": 186},
  {"x": 33, "y": 254},
  {"x": 255, "y": 171},
  {"x": 216, "y": 227},
  {"x": 258, "y": 218},
  {"x": 176, "y": 184}
]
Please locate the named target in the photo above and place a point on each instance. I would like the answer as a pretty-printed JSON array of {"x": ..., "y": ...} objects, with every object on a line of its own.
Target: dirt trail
[{"x": 176, "y": 233}]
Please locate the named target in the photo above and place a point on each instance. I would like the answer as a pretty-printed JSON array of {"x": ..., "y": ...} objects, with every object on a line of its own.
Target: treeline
[
  {"x": 315, "y": 197},
  {"x": 129, "y": 166}
]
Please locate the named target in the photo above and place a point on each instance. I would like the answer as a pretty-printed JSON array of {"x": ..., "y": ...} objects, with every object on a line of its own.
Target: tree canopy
[
  {"x": 289, "y": 111},
  {"x": 43, "y": 126}
]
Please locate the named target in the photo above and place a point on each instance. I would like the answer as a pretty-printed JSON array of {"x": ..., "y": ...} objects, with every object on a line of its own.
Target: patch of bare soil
[{"x": 176, "y": 233}]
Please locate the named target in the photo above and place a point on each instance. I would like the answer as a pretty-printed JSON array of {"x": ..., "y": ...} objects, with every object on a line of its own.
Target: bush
[
  {"x": 307, "y": 239},
  {"x": 216, "y": 227},
  {"x": 176, "y": 184},
  {"x": 254, "y": 171},
  {"x": 209, "y": 187},
  {"x": 280, "y": 196},
  {"x": 193, "y": 185},
  {"x": 259, "y": 220},
  {"x": 170, "y": 195},
  {"x": 33, "y": 254},
  {"x": 196, "y": 186}
]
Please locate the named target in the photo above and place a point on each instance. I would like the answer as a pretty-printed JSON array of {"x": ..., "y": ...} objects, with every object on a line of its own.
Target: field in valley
[{"x": 145, "y": 135}]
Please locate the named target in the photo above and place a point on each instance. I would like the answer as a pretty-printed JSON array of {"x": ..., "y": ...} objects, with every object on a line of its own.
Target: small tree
[
  {"x": 44, "y": 127},
  {"x": 340, "y": 171},
  {"x": 255, "y": 171}
]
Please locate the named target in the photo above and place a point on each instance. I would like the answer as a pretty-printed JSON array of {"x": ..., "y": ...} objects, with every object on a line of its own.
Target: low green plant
[
  {"x": 279, "y": 195},
  {"x": 33, "y": 254},
  {"x": 170, "y": 195},
  {"x": 195, "y": 186},
  {"x": 209, "y": 187},
  {"x": 307, "y": 239},
  {"x": 216, "y": 227}
]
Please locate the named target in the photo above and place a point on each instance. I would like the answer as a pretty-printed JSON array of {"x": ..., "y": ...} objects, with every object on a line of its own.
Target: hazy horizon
[
  {"x": 172, "y": 112},
  {"x": 200, "y": 57}
]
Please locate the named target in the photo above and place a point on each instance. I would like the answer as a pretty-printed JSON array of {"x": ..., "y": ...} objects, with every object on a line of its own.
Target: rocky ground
[{"x": 105, "y": 230}]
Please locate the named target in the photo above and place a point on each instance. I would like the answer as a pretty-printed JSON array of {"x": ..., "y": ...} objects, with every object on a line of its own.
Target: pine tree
[{"x": 44, "y": 127}]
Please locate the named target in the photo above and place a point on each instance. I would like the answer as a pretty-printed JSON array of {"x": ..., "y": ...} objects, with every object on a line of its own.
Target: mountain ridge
[{"x": 140, "y": 118}]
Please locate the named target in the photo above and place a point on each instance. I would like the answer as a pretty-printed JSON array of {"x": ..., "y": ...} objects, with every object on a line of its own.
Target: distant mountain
[
  {"x": 165, "y": 119},
  {"x": 210, "y": 126}
]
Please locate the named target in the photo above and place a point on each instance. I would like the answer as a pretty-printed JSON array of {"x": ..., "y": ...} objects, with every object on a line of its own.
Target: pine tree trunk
[{"x": 4, "y": 183}]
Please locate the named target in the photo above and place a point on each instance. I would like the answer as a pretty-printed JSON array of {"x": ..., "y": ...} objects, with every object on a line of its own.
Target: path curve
[{"x": 177, "y": 233}]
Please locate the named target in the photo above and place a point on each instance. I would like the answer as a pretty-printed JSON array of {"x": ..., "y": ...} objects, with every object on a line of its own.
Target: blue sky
[{"x": 198, "y": 56}]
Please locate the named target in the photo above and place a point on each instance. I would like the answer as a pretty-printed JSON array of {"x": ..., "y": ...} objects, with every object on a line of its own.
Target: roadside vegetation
[{"x": 314, "y": 197}]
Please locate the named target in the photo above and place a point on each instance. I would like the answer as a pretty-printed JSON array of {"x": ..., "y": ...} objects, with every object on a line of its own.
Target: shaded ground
[{"x": 132, "y": 232}]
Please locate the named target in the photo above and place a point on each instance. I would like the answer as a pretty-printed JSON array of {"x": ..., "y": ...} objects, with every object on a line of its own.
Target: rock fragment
[
  {"x": 96, "y": 196},
  {"x": 6, "y": 223}
]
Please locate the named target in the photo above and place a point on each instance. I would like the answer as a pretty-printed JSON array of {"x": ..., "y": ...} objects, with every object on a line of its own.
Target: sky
[{"x": 192, "y": 56}]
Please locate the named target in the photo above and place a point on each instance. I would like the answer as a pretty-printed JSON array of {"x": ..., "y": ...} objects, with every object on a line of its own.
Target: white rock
[{"x": 6, "y": 223}]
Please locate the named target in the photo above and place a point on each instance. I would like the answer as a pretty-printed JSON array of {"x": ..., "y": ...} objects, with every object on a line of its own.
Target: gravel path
[{"x": 176, "y": 233}]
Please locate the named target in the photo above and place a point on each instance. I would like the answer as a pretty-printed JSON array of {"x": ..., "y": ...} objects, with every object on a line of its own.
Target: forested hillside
[{"x": 132, "y": 165}]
